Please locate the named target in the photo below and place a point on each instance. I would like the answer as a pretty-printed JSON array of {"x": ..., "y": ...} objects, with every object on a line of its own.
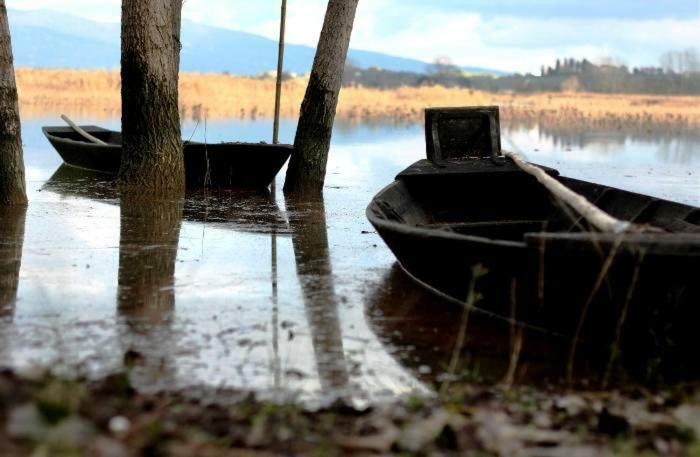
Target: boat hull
[{"x": 248, "y": 165}]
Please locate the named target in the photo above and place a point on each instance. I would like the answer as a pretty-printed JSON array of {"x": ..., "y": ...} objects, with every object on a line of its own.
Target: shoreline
[
  {"x": 50, "y": 415},
  {"x": 219, "y": 96}
]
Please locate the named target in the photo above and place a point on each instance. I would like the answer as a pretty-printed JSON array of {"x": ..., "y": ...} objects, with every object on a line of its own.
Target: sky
[{"x": 508, "y": 35}]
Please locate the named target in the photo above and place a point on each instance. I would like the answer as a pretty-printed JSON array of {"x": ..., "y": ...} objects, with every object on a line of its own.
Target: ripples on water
[{"x": 252, "y": 291}]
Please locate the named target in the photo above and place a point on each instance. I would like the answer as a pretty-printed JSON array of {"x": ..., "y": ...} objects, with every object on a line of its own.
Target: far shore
[{"x": 96, "y": 94}]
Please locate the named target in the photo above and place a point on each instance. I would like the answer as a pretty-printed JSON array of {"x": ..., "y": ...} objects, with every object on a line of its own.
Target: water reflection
[
  {"x": 313, "y": 265},
  {"x": 257, "y": 302},
  {"x": 162, "y": 260},
  {"x": 421, "y": 330},
  {"x": 672, "y": 146},
  {"x": 148, "y": 244},
  {"x": 70, "y": 181},
  {"x": 11, "y": 239},
  {"x": 253, "y": 211},
  {"x": 657, "y": 162}
]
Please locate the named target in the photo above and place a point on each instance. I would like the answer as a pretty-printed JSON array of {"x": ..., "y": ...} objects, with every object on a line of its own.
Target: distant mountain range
[{"x": 50, "y": 39}]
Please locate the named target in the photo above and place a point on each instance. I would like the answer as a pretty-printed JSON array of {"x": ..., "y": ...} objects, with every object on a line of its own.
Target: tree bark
[
  {"x": 307, "y": 168},
  {"x": 152, "y": 151},
  {"x": 12, "y": 186}
]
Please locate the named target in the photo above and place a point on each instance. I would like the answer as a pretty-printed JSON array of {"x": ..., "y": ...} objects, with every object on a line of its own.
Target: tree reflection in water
[
  {"x": 148, "y": 244},
  {"x": 11, "y": 240},
  {"x": 310, "y": 240}
]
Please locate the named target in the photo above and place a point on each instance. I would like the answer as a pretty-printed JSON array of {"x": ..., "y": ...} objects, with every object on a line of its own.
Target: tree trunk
[
  {"x": 12, "y": 187},
  {"x": 152, "y": 152},
  {"x": 307, "y": 168}
]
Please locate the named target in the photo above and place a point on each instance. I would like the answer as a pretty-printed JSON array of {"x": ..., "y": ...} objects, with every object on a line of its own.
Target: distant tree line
[
  {"x": 687, "y": 61},
  {"x": 375, "y": 77},
  {"x": 678, "y": 73}
]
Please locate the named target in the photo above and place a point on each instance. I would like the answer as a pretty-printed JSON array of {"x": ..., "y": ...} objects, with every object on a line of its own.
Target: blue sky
[{"x": 515, "y": 35}]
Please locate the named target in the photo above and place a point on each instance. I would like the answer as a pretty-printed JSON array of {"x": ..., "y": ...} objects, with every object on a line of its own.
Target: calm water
[{"x": 252, "y": 291}]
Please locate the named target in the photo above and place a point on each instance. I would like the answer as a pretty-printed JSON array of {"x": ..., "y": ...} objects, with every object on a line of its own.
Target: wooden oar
[
  {"x": 82, "y": 132},
  {"x": 596, "y": 216}
]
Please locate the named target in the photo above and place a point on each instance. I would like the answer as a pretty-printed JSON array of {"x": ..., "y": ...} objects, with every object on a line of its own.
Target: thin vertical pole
[
  {"x": 280, "y": 69},
  {"x": 276, "y": 140}
]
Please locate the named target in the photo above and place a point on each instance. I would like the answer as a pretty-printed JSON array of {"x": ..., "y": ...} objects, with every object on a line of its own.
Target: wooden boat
[
  {"x": 466, "y": 206},
  {"x": 250, "y": 165}
]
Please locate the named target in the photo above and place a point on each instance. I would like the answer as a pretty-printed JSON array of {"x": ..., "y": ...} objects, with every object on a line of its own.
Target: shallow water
[
  {"x": 658, "y": 163},
  {"x": 252, "y": 291}
]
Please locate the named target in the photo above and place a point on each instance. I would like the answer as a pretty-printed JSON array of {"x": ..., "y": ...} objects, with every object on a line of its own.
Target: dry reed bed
[{"x": 95, "y": 93}]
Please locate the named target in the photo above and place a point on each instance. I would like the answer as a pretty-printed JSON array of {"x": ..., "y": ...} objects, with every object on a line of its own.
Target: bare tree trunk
[
  {"x": 152, "y": 153},
  {"x": 12, "y": 187},
  {"x": 307, "y": 168}
]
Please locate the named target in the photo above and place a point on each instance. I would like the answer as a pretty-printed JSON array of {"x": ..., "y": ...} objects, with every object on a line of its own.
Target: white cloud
[
  {"x": 217, "y": 13},
  {"x": 424, "y": 31},
  {"x": 304, "y": 21},
  {"x": 102, "y": 10},
  {"x": 524, "y": 44}
]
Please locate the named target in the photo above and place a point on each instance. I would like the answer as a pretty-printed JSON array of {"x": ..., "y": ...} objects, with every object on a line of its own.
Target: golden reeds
[{"x": 95, "y": 93}]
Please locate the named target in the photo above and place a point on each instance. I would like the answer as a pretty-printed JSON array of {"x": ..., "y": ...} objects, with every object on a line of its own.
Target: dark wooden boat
[
  {"x": 250, "y": 165},
  {"x": 466, "y": 206}
]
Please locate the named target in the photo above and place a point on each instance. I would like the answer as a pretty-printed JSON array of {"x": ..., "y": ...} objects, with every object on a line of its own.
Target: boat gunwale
[
  {"x": 425, "y": 232},
  {"x": 50, "y": 134},
  {"x": 661, "y": 241}
]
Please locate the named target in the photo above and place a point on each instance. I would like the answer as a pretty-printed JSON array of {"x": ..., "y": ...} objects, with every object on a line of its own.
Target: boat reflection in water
[
  {"x": 310, "y": 239},
  {"x": 253, "y": 211},
  {"x": 422, "y": 331},
  {"x": 148, "y": 243}
]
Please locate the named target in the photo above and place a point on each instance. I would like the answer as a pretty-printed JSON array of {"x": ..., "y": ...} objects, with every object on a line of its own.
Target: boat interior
[
  {"x": 481, "y": 194},
  {"x": 510, "y": 204},
  {"x": 108, "y": 136}
]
